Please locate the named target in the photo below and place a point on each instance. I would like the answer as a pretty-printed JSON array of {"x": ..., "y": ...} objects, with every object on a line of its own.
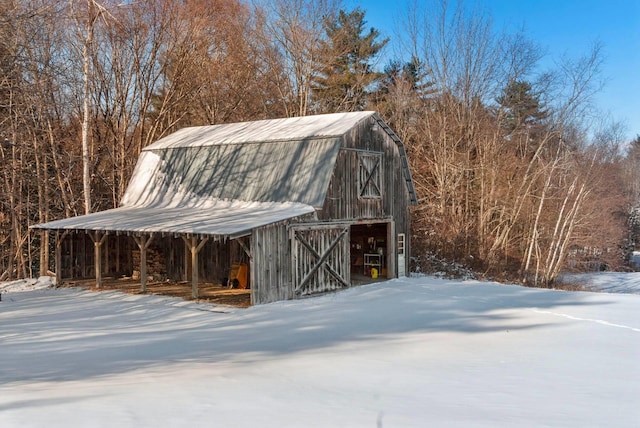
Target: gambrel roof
[
  {"x": 280, "y": 168},
  {"x": 280, "y": 160}
]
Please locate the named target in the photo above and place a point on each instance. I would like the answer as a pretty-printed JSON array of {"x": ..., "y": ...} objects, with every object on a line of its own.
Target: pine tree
[
  {"x": 522, "y": 106},
  {"x": 348, "y": 73},
  {"x": 402, "y": 93}
]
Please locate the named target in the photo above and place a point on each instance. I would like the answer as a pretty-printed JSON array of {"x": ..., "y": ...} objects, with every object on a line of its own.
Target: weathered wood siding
[
  {"x": 343, "y": 200},
  {"x": 270, "y": 270},
  {"x": 297, "y": 260},
  {"x": 320, "y": 258},
  {"x": 165, "y": 258},
  {"x": 78, "y": 260},
  {"x": 214, "y": 259}
]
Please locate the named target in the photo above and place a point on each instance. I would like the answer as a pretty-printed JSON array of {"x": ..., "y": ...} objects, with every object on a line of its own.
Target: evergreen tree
[
  {"x": 522, "y": 106},
  {"x": 411, "y": 73},
  {"x": 401, "y": 94},
  {"x": 348, "y": 74}
]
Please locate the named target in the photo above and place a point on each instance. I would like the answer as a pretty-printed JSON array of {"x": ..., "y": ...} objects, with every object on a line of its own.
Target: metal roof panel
[
  {"x": 293, "y": 171},
  {"x": 215, "y": 218},
  {"x": 287, "y": 129}
]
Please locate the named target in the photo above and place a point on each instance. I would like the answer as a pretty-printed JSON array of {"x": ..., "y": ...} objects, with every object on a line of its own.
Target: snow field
[{"x": 414, "y": 352}]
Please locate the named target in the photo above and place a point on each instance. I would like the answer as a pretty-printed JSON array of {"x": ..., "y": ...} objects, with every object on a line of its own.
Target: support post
[
  {"x": 194, "y": 247},
  {"x": 44, "y": 252},
  {"x": 245, "y": 247},
  {"x": 143, "y": 244},
  {"x": 105, "y": 255},
  {"x": 97, "y": 244},
  {"x": 194, "y": 267},
  {"x": 392, "y": 250},
  {"x": 59, "y": 238}
]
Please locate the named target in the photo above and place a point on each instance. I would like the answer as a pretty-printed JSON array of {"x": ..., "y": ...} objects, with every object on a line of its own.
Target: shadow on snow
[{"x": 66, "y": 335}]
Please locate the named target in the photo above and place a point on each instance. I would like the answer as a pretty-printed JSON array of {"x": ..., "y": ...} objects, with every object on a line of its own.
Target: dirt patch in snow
[{"x": 207, "y": 292}]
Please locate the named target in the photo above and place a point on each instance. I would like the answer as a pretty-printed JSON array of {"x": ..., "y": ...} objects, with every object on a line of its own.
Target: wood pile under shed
[{"x": 156, "y": 265}]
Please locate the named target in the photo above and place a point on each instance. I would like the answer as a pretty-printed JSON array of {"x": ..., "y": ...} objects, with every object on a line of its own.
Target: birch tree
[{"x": 86, "y": 14}]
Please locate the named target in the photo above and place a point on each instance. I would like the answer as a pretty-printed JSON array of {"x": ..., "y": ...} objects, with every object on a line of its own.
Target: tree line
[{"x": 516, "y": 174}]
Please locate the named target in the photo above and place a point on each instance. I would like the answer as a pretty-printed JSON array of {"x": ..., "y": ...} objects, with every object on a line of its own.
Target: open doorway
[{"x": 370, "y": 252}]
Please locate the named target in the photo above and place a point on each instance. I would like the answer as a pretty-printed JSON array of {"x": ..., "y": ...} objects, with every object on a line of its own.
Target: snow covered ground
[
  {"x": 608, "y": 282},
  {"x": 403, "y": 353}
]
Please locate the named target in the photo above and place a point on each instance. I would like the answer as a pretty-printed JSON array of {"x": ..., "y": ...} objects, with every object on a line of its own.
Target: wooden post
[
  {"x": 252, "y": 276},
  {"x": 97, "y": 243},
  {"x": 44, "y": 252},
  {"x": 98, "y": 259},
  {"x": 392, "y": 250},
  {"x": 245, "y": 247},
  {"x": 59, "y": 239},
  {"x": 143, "y": 245},
  {"x": 194, "y": 248}
]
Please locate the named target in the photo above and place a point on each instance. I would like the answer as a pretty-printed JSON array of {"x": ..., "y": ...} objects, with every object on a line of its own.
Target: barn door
[{"x": 320, "y": 258}]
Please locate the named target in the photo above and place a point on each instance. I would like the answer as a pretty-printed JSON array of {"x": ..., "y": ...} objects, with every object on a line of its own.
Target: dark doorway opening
[{"x": 369, "y": 252}]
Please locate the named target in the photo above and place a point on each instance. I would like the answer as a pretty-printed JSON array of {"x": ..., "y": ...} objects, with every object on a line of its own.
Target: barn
[{"x": 287, "y": 207}]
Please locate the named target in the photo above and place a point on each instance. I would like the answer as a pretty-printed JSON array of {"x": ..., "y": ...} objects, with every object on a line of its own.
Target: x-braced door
[{"x": 320, "y": 258}]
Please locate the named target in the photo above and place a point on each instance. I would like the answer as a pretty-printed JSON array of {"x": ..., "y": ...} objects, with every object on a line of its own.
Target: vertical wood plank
[{"x": 142, "y": 245}]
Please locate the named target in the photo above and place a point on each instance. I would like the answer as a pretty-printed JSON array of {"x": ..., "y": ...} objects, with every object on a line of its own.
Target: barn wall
[
  {"x": 271, "y": 265},
  {"x": 78, "y": 258},
  {"x": 214, "y": 259},
  {"x": 343, "y": 201}
]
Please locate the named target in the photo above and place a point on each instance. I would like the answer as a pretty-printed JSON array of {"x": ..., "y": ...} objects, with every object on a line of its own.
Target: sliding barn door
[{"x": 321, "y": 260}]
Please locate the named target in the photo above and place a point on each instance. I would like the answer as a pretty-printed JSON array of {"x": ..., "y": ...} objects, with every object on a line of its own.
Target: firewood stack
[{"x": 156, "y": 265}]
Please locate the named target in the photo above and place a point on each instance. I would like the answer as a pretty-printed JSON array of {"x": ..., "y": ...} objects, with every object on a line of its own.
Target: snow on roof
[
  {"x": 230, "y": 219},
  {"x": 296, "y": 171},
  {"x": 288, "y": 129}
]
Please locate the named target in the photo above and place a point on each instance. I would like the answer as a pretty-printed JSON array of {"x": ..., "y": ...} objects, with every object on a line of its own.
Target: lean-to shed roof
[{"x": 227, "y": 219}]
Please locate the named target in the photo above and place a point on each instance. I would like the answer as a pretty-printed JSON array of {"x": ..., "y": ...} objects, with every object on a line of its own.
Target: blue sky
[{"x": 560, "y": 27}]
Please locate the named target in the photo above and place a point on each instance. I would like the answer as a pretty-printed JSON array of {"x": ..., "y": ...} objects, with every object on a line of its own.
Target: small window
[{"x": 370, "y": 175}]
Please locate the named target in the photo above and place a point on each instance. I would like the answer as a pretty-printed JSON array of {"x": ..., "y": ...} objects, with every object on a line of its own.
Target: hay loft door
[{"x": 320, "y": 258}]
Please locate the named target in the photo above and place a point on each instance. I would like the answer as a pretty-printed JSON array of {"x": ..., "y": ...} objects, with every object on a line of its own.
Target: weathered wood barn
[{"x": 307, "y": 204}]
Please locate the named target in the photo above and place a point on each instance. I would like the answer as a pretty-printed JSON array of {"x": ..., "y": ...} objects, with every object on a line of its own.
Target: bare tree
[
  {"x": 295, "y": 29},
  {"x": 86, "y": 14},
  {"x": 499, "y": 154}
]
